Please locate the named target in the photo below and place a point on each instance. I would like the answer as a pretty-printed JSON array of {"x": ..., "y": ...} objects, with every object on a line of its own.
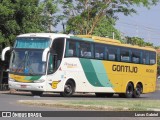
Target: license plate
[{"x": 23, "y": 86}]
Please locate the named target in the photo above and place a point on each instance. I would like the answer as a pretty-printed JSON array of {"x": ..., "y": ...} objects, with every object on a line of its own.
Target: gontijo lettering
[{"x": 124, "y": 68}]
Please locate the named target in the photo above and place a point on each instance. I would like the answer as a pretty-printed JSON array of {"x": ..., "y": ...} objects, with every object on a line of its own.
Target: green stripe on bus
[
  {"x": 101, "y": 73},
  {"x": 83, "y": 39},
  {"x": 32, "y": 78},
  {"x": 90, "y": 72}
]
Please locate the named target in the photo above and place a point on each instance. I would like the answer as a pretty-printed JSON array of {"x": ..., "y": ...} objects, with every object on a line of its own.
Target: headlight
[{"x": 39, "y": 81}]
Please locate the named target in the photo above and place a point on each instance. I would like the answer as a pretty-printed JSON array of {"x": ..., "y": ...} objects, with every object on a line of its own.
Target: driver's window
[{"x": 50, "y": 64}]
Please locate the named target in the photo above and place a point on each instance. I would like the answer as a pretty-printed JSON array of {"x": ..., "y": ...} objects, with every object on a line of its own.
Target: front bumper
[{"x": 27, "y": 86}]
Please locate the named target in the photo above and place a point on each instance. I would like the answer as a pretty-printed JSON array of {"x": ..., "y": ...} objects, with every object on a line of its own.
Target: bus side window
[
  {"x": 50, "y": 64},
  {"x": 144, "y": 61},
  {"x": 99, "y": 51},
  {"x": 135, "y": 56},
  {"x": 152, "y": 58},
  {"x": 124, "y": 54},
  {"x": 111, "y": 57},
  {"x": 145, "y": 58},
  {"x": 71, "y": 49},
  {"x": 112, "y": 54},
  {"x": 86, "y": 50}
]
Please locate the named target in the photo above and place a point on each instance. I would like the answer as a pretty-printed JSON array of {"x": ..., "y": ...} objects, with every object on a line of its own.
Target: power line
[{"x": 146, "y": 27}]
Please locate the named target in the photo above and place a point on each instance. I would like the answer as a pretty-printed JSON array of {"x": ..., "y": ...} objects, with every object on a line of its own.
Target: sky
[{"x": 145, "y": 24}]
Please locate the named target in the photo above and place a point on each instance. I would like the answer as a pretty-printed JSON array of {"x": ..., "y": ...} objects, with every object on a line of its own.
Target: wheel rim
[
  {"x": 68, "y": 89},
  {"x": 138, "y": 90},
  {"x": 130, "y": 90}
]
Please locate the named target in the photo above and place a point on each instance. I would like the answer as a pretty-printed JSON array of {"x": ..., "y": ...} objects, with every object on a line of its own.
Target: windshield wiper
[{"x": 28, "y": 66}]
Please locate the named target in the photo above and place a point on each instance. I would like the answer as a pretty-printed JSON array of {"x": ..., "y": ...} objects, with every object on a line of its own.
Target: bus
[{"x": 69, "y": 64}]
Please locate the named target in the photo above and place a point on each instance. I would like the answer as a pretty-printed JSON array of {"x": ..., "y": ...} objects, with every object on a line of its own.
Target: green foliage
[
  {"x": 137, "y": 41},
  {"x": 106, "y": 28},
  {"x": 95, "y": 17},
  {"x": 83, "y": 16},
  {"x": 25, "y": 16},
  {"x": 50, "y": 19},
  {"x": 158, "y": 62}
]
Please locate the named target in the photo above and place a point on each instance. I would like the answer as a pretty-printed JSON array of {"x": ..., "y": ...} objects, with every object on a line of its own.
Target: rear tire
[
  {"x": 137, "y": 92},
  {"x": 69, "y": 89},
  {"x": 37, "y": 93},
  {"x": 129, "y": 91}
]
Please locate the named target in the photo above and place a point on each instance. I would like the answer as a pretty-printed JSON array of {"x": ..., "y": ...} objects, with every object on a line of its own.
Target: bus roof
[
  {"x": 47, "y": 35},
  {"x": 114, "y": 42},
  {"x": 97, "y": 39}
]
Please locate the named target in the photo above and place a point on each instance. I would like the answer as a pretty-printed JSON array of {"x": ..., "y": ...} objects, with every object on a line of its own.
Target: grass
[{"x": 105, "y": 105}]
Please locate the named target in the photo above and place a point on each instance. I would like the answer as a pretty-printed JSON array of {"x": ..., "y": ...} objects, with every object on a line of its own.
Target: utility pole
[
  {"x": 113, "y": 35},
  {"x": 137, "y": 31}
]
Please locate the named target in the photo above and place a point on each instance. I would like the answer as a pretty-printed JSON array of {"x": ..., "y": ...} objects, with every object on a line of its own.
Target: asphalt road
[{"x": 8, "y": 102}]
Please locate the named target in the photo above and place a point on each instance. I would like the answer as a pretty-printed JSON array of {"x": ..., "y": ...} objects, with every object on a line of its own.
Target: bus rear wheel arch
[
  {"x": 138, "y": 90},
  {"x": 69, "y": 88}
]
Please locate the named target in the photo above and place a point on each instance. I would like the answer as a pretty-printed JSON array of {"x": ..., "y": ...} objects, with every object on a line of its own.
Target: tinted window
[
  {"x": 152, "y": 58},
  {"x": 124, "y": 55},
  {"x": 145, "y": 57},
  {"x": 71, "y": 49},
  {"x": 86, "y": 50},
  {"x": 135, "y": 56},
  {"x": 50, "y": 64},
  {"x": 57, "y": 50},
  {"x": 99, "y": 51},
  {"x": 112, "y": 53}
]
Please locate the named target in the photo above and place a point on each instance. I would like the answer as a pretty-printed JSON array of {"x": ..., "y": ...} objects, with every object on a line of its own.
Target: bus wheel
[
  {"x": 101, "y": 94},
  {"x": 37, "y": 93},
  {"x": 137, "y": 92},
  {"x": 68, "y": 89},
  {"x": 129, "y": 91}
]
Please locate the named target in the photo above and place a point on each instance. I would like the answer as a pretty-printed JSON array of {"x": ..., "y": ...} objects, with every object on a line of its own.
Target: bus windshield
[
  {"x": 27, "y": 62},
  {"x": 32, "y": 42}
]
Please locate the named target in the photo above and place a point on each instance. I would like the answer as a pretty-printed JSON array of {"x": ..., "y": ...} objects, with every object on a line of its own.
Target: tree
[
  {"x": 50, "y": 7},
  {"x": 83, "y": 16},
  {"x": 18, "y": 16},
  {"x": 137, "y": 41},
  {"x": 105, "y": 28},
  {"x": 24, "y": 16}
]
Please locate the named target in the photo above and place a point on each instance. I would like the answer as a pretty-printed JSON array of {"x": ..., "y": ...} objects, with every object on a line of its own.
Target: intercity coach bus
[{"x": 68, "y": 64}]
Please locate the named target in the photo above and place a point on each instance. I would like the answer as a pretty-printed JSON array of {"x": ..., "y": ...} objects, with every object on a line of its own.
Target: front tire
[
  {"x": 69, "y": 89},
  {"x": 37, "y": 93}
]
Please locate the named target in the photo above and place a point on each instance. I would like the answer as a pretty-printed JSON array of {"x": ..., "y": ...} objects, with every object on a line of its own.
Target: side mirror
[
  {"x": 4, "y": 52},
  {"x": 44, "y": 55}
]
